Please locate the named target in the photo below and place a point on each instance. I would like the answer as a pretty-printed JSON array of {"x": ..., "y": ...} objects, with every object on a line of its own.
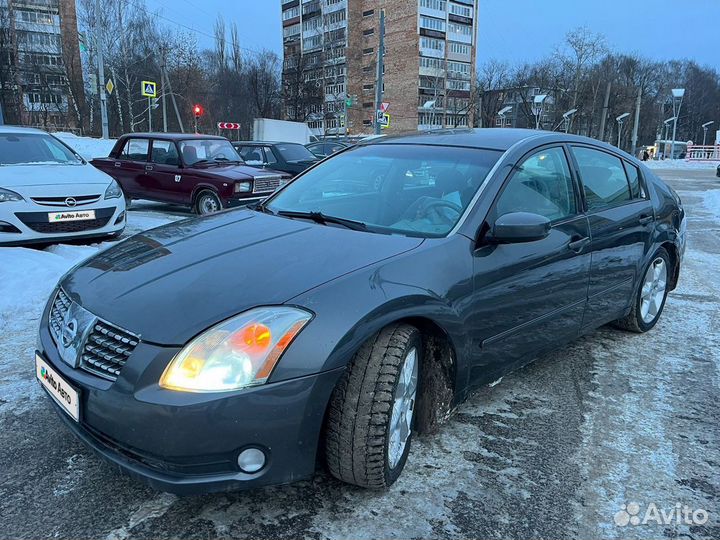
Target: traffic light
[{"x": 198, "y": 110}]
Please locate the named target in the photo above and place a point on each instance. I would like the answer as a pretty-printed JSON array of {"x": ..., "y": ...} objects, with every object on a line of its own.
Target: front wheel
[
  {"x": 207, "y": 202},
  {"x": 370, "y": 420},
  {"x": 651, "y": 295}
]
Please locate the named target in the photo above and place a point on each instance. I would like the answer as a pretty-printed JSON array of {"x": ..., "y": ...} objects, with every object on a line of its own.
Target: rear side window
[
  {"x": 165, "y": 153},
  {"x": 603, "y": 178},
  {"x": 136, "y": 150},
  {"x": 633, "y": 174},
  {"x": 269, "y": 156},
  {"x": 542, "y": 185}
]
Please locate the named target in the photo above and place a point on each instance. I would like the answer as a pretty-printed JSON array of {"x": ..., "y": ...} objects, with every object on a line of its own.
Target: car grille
[
  {"x": 81, "y": 200},
  {"x": 107, "y": 349},
  {"x": 266, "y": 184},
  {"x": 57, "y": 314},
  {"x": 67, "y": 226}
]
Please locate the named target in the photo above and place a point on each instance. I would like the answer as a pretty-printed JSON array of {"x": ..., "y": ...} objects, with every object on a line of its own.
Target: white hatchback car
[{"x": 49, "y": 193}]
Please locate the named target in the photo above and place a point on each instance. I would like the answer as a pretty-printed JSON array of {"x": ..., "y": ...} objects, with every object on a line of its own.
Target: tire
[
  {"x": 128, "y": 201},
  {"x": 641, "y": 319},
  {"x": 361, "y": 446},
  {"x": 207, "y": 202}
]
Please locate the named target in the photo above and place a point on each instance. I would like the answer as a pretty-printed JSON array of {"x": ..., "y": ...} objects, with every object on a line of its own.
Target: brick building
[
  {"x": 41, "y": 81},
  {"x": 330, "y": 55}
]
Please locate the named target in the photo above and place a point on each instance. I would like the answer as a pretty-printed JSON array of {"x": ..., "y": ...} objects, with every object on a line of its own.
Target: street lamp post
[
  {"x": 620, "y": 120},
  {"x": 677, "y": 99},
  {"x": 705, "y": 127},
  {"x": 567, "y": 118},
  {"x": 502, "y": 112},
  {"x": 665, "y": 132},
  {"x": 538, "y": 104}
]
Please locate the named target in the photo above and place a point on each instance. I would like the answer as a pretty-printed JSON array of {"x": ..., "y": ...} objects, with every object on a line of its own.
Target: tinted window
[
  {"x": 633, "y": 174},
  {"x": 164, "y": 153},
  {"x": 252, "y": 155},
  {"x": 542, "y": 185},
  {"x": 294, "y": 152},
  {"x": 136, "y": 150},
  {"x": 269, "y": 156},
  {"x": 603, "y": 178},
  {"x": 34, "y": 149},
  {"x": 332, "y": 148}
]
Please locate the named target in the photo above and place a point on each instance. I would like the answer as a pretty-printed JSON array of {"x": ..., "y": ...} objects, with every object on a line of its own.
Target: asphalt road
[{"x": 553, "y": 451}]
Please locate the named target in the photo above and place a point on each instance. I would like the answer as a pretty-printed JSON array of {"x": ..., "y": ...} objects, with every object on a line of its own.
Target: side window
[
  {"x": 252, "y": 155},
  {"x": 165, "y": 153},
  {"x": 136, "y": 150},
  {"x": 542, "y": 185},
  {"x": 633, "y": 174},
  {"x": 269, "y": 156},
  {"x": 603, "y": 178}
]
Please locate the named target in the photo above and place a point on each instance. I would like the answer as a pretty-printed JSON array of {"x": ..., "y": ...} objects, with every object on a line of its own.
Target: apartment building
[
  {"x": 41, "y": 80},
  {"x": 330, "y": 55}
]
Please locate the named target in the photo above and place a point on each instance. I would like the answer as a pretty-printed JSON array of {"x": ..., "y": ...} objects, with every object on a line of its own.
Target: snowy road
[{"x": 553, "y": 451}]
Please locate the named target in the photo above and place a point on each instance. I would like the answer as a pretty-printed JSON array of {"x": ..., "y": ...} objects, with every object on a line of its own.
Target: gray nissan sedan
[{"x": 358, "y": 304}]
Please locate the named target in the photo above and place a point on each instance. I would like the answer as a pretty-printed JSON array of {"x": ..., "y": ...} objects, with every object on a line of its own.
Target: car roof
[
  {"x": 174, "y": 136},
  {"x": 264, "y": 143},
  {"x": 19, "y": 129}
]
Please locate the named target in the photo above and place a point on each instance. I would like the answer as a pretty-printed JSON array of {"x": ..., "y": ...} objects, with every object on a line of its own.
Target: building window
[
  {"x": 463, "y": 29},
  {"x": 431, "y": 23},
  {"x": 369, "y": 50},
  {"x": 335, "y": 17},
  {"x": 291, "y": 13},
  {"x": 458, "y": 85},
  {"x": 368, "y": 32},
  {"x": 459, "y": 69},
  {"x": 368, "y": 87},
  {"x": 291, "y": 30},
  {"x": 459, "y": 48},
  {"x": 35, "y": 17},
  {"x": 431, "y": 63},
  {"x": 433, "y": 4},
  {"x": 432, "y": 43},
  {"x": 430, "y": 119},
  {"x": 368, "y": 13},
  {"x": 463, "y": 11}
]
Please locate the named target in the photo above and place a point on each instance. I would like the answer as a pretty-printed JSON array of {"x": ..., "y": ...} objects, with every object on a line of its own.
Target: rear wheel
[
  {"x": 207, "y": 202},
  {"x": 651, "y": 295},
  {"x": 370, "y": 420}
]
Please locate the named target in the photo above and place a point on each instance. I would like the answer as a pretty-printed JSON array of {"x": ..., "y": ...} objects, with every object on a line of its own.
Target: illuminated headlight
[
  {"x": 113, "y": 191},
  {"x": 242, "y": 187},
  {"x": 237, "y": 353},
  {"x": 9, "y": 196}
]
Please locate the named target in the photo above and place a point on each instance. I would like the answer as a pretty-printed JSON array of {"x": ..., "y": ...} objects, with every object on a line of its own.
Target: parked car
[
  {"x": 717, "y": 172},
  {"x": 48, "y": 193},
  {"x": 324, "y": 149},
  {"x": 200, "y": 171},
  {"x": 291, "y": 158},
  {"x": 235, "y": 351}
]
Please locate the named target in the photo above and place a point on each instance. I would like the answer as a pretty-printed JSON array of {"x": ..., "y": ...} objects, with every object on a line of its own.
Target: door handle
[
  {"x": 578, "y": 245},
  {"x": 148, "y": 167},
  {"x": 644, "y": 220},
  {"x": 118, "y": 164}
]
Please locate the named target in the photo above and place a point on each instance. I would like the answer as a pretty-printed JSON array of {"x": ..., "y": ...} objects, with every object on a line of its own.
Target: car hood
[
  {"x": 21, "y": 176},
  {"x": 171, "y": 283},
  {"x": 239, "y": 172}
]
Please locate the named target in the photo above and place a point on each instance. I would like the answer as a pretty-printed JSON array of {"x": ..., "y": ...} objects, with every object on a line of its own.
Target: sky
[{"x": 510, "y": 30}]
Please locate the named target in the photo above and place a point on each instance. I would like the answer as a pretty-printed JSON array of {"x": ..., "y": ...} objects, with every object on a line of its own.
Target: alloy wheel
[
  {"x": 653, "y": 289},
  {"x": 403, "y": 408}
]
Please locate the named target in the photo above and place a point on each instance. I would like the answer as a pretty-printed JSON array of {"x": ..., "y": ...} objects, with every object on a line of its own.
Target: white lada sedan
[{"x": 49, "y": 193}]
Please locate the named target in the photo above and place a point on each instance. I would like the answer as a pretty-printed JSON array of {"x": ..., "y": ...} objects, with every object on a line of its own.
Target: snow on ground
[
  {"x": 681, "y": 164},
  {"x": 87, "y": 147},
  {"x": 711, "y": 201}
]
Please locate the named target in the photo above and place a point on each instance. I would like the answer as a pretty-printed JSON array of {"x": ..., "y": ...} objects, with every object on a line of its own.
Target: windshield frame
[
  {"x": 80, "y": 161},
  {"x": 266, "y": 205}
]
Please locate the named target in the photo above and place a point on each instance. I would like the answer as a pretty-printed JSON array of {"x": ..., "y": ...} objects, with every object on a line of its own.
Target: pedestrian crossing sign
[{"x": 149, "y": 89}]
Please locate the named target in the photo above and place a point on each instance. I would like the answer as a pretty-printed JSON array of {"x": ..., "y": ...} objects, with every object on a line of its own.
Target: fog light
[
  {"x": 251, "y": 460},
  {"x": 120, "y": 218}
]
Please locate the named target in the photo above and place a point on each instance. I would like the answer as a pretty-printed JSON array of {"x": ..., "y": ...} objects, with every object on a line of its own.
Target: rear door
[
  {"x": 129, "y": 167},
  {"x": 621, "y": 216},
  {"x": 529, "y": 297},
  {"x": 168, "y": 180}
]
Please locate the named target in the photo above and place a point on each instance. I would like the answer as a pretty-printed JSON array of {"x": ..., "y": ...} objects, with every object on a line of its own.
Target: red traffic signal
[{"x": 198, "y": 110}]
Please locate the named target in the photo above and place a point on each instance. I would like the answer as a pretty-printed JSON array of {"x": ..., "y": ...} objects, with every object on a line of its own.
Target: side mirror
[{"x": 518, "y": 227}]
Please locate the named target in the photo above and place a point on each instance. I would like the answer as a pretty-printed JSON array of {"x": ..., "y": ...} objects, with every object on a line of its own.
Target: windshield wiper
[
  {"x": 260, "y": 207},
  {"x": 324, "y": 219}
]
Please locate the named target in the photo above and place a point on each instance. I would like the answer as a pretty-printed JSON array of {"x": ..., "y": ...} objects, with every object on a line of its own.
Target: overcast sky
[{"x": 512, "y": 30}]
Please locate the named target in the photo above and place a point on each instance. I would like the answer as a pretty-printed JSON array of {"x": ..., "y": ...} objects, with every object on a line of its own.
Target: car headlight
[
  {"x": 237, "y": 353},
  {"x": 114, "y": 191},
  {"x": 242, "y": 187},
  {"x": 9, "y": 196}
]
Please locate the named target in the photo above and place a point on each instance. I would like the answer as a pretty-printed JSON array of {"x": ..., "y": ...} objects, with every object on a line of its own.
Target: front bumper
[{"x": 189, "y": 443}]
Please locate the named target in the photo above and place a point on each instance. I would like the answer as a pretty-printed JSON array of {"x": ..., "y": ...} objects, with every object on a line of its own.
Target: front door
[
  {"x": 530, "y": 297},
  {"x": 168, "y": 181},
  {"x": 621, "y": 218},
  {"x": 129, "y": 167}
]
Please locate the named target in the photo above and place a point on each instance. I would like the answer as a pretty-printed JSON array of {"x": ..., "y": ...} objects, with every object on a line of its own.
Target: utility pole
[
  {"x": 605, "y": 112},
  {"x": 163, "y": 90},
  {"x": 172, "y": 96},
  {"x": 637, "y": 121},
  {"x": 379, "y": 74},
  {"x": 150, "y": 108},
  {"x": 101, "y": 74}
]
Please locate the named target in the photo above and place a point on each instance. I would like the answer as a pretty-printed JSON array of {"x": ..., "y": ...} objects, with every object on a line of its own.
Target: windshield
[
  {"x": 208, "y": 151},
  {"x": 397, "y": 188},
  {"x": 294, "y": 152},
  {"x": 35, "y": 149}
]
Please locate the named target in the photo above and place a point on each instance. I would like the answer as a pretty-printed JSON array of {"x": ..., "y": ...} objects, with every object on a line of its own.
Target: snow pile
[
  {"x": 87, "y": 147},
  {"x": 711, "y": 201},
  {"x": 681, "y": 164}
]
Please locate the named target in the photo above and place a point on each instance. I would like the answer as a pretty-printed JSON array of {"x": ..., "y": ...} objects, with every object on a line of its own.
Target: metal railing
[{"x": 698, "y": 152}]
